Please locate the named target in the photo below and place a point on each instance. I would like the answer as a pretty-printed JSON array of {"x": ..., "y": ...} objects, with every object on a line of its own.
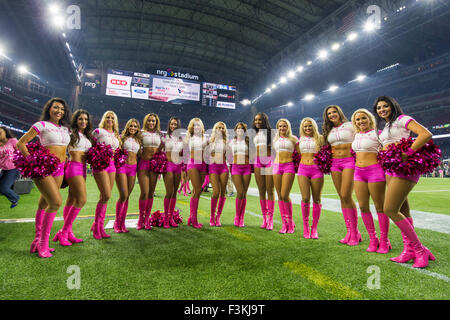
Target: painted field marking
[
  {"x": 237, "y": 233},
  {"x": 426, "y": 272},
  {"x": 335, "y": 288}
]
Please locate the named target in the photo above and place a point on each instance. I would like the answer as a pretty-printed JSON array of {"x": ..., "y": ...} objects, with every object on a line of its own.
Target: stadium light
[
  {"x": 309, "y": 62},
  {"x": 289, "y": 104},
  {"x": 322, "y": 54},
  {"x": 352, "y": 36},
  {"x": 360, "y": 77},
  {"x": 22, "y": 69},
  {"x": 300, "y": 68},
  {"x": 54, "y": 8},
  {"x": 58, "y": 21},
  {"x": 245, "y": 102},
  {"x": 283, "y": 80},
  {"x": 67, "y": 45},
  {"x": 291, "y": 74},
  {"x": 268, "y": 90},
  {"x": 274, "y": 86},
  {"x": 309, "y": 97},
  {"x": 333, "y": 88},
  {"x": 369, "y": 26},
  {"x": 335, "y": 46}
]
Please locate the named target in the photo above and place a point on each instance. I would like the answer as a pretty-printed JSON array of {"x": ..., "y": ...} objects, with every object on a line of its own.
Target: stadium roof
[{"x": 229, "y": 40}]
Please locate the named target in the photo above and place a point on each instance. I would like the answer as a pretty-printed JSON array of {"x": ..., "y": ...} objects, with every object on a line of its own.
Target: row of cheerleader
[{"x": 372, "y": 155}]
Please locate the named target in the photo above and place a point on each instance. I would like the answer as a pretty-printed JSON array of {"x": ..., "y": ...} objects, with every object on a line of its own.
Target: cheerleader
[
  {"x": 263, "y": 168},
  {"x": 8, "y": 171},
  {"x": 284, "y": 172},
  {"x": 131, "y": 141},
  {"x": 53, "y": 133},
  {"x": 339, "y": 133},
  {"x": 75, "y": 174},
  {"x": 309, "y": 176},
  {"x": 107, "y": 133},
  {"x": 184, "y": 185},
  {"x": 173, "y": 146},
  {"x": 370, "y": 181},
  {"x": 398, "y": 126},
  {"x": 151, "y": 139},
  {"x": 241, "y": 172},
  {"x": 196, "y": 167},
  {"x": 218, "y": 171}
]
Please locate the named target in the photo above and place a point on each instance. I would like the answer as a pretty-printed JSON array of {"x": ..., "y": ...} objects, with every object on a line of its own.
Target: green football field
[{"x": 220, "y": 263}]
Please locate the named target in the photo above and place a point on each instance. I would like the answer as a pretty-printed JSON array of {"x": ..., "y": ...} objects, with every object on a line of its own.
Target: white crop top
[
  {"x": 131, "y": 145},
  {"x": 342, "y": 134},
  {"x": 51, "y": 135},
  {"x": 83, "y": 144},
  {"x": 283, "y": 145},
  {"x": 366, "y": 142},
  {"x": 151, "y": 139},
  {"x": 197, "y": 143},
  {"x": 106, "y": 137},
  {"x": 396, "y": 131},
  {"x": 238, "y": 147},
  {"x": 173, "y": 144},
  {"x": 307, "y": 145},
  {"x": 260, "y": 139},
  {"x": 218, "y": 146}
]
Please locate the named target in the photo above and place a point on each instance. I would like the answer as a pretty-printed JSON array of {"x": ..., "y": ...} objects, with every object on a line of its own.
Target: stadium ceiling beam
[{"x": 304, "y": 9}]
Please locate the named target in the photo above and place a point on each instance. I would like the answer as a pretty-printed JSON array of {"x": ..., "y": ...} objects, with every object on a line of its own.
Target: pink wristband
[{"x": 410, "y": 152}]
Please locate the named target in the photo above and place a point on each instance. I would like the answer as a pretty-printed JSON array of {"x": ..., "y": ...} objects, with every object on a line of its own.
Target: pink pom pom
[
  {"x": 296, "y": 157},
  {"x": 120, "y": 157},
  {"x": 324, "y": 158},
  {"x": 158, "y": 163},
  {"x": 157, "y": 219},
  {"x": 40, "y": 163},
  {"x": 423, "y": 161},
  {"x": 99, "y": 156},
  {"x": 177, "y": 218}
]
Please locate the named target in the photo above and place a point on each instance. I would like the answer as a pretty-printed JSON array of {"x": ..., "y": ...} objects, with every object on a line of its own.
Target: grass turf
[{"x": 219, "y": 263}]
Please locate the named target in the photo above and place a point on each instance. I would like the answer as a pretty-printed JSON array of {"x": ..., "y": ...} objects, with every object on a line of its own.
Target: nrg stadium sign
[{"x": 175, "y": 74}]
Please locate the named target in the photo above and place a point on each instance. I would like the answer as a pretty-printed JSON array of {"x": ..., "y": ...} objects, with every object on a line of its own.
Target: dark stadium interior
[{"x": 249, "y": 44}]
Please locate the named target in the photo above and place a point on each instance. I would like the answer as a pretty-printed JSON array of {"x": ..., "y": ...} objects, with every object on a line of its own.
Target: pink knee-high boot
[
  {"x": 316, "y": 211},
  {"x": 193, "y": 213},
  {"x": 172, "y": 203},
  {"x": 345, "y": 213},
  {"x": 421, "y": 254},
  {"x": 148, "y": 213},
  {"x": 355, "y": 236},
  {"x": 60, "y": 236},
  {"x": 123, "y": 217},
  {"x": 263, "y": 204},
  {"x": 95, "y": 226},
  {"x": 270, "y": 210},
  {"x": 38, "y": 228},
  {"x": 117, "y": 221},
  {"x": 47, "y": 222},
  {"x": 305, "y": 216},
  {"x": 166, "y": 223},
  {"x": 212, "y": 217},
  {"x": 370, "y": 227},
  {"x": 219, "y": 210},
  {"x": 101, "y": 227},
  {"x": 289, "y": 217},
  {"x": 283, "y": 216},
  {"x": 238, "y": 205},
  {"x": 142, "y": 207},
  {"x": 65, "y": 235},
  {"x": 385, "y": 244},
  {"x": 242, "y": 212}
]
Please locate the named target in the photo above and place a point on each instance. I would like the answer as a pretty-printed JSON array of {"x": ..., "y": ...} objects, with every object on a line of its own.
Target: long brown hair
[
  {"x": 45, "y": 115},
  {"x": 74, "y": 135},
  {"x": 327, "y": 124}
]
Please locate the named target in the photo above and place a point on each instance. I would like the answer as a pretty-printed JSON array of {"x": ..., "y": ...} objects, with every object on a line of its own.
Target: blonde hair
[
  {"x": 225, "y": 134},
  {"x": 289, "y": 131},
  {"x": 125, "y": 133},
  {"x": 116, "y": 123},
  {"x": 158, "y": 123},
  {"x": 318, "y": 138},
  {"x": 190, "y": 128},
  {"x": 327, "y": 124},
  {"x": 372, "y": 122}
]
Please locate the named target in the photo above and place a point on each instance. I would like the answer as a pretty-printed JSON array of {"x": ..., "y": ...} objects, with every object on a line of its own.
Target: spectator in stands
[{"x": 8, "y": 172}]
